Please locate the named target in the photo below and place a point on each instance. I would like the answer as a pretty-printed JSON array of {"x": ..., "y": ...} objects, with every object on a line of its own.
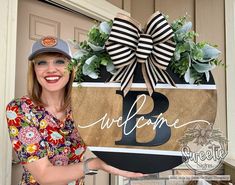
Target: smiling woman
[
  {"x": 51, "y": 72},
  {"x": 41, "y": 125}
]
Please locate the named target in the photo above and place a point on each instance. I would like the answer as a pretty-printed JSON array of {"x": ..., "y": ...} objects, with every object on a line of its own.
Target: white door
[{"x": 37, "y": 19}]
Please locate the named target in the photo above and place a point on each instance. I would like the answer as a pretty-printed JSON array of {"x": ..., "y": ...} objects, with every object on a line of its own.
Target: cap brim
[{"x": 48, "y": 50}]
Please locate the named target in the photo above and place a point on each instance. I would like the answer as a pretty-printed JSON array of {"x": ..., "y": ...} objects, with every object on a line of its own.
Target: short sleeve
[{"x": 25, "y": 137}]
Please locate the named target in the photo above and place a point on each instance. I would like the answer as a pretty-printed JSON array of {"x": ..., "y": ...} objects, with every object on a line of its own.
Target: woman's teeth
[{"x": 52, "y": 78}]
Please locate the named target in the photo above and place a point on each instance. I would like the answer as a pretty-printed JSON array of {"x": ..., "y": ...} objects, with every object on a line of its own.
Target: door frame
[
  {"x": 8, "y": 30},
  {"x": 99, "y": 10},
  {"x": 230, "y": 86}
]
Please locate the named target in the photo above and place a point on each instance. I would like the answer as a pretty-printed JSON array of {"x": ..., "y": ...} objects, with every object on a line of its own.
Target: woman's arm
[{"x": 47, "y": 174}]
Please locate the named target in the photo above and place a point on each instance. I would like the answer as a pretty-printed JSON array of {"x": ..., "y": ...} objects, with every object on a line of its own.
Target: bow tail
[
  {"x": 127, "y": 78},
  {"x": 118, "y": 75},
  {"x": 149, "y": 81},
  {"x": 125, "y": 88},
  {"x": 168, "y": 79},
  {"x": 160, "y": 74}
]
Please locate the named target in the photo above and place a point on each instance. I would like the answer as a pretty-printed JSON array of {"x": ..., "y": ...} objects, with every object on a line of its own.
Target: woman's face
[{"x": 51, "y": 72}]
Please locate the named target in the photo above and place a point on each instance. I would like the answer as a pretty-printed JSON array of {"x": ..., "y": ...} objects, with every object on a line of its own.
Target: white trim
[
  {"x": 134, "y": 151},
  {"x": 143, "y": 85},
  {"x": 8, "y": 32},
  {"x": 230, "y": 71},
  {"x": 98, "y": 9}
]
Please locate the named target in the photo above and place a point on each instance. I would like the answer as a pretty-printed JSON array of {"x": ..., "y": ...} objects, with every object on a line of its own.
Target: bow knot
[
  {"x": 144, "y": 47},
  {"x": 127, "y": 45}
]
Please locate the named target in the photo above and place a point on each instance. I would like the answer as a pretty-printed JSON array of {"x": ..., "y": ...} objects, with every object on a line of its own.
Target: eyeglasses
[{"x": 43, "y": 64}]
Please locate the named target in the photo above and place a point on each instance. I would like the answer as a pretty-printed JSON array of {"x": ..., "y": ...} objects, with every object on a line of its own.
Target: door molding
[{"x": 99, "y": 9}]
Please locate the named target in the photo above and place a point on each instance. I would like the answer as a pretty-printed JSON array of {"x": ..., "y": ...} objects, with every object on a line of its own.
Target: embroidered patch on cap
[{"x": 49, "y": 41}]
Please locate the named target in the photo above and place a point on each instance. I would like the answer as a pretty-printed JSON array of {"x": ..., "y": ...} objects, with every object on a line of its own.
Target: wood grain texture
[{"x": 91, "y": 104}]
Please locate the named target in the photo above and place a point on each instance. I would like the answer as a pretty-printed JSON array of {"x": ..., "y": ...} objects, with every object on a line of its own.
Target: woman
[{"x": 41, "y": 126}]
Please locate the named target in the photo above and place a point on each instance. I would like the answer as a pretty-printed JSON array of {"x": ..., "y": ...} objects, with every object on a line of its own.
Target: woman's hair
[{"x": 34, "y": 89}]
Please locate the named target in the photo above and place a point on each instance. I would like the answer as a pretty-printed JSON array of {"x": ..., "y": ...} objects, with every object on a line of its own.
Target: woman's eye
[
  {"x": 60, "y": 62},
  {"x": 41, "y": 63}
]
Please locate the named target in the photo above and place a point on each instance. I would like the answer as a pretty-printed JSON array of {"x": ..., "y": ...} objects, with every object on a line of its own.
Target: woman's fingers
[
  {"x": 123, "y": 173},
  {"x": 110, "y": 169}
]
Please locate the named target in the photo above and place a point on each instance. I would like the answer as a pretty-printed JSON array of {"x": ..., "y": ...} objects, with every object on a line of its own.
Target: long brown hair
[{"x": 34, "y": 89}]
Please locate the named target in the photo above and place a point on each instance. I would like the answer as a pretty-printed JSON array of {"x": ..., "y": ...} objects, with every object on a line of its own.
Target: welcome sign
[
  {"x": 134, "y": 118},
  {"x": 138, "y": 132}
]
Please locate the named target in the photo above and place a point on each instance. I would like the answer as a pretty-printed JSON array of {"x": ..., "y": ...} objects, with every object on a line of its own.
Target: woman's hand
[{"x": 97, "y": 164}]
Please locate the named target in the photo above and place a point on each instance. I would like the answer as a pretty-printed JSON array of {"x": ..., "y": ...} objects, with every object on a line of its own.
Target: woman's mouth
[{"x": 52, "y": 79}]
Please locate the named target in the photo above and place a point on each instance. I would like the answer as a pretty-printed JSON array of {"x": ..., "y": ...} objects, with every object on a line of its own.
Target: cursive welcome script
[{"x": 105, "y": 122}]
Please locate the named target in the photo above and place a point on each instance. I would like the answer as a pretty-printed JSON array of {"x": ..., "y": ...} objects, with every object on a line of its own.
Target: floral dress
[{"x": 35, "y": 133}]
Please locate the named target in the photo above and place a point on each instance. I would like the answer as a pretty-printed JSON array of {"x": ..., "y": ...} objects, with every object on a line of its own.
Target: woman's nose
[{"x": 51, "y": 66}]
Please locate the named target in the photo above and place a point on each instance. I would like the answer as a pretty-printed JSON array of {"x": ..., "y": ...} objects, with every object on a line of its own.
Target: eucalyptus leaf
[
  {"x": 187, "y": 75},
  {"x": 205, "y": 60},
  {"x": 93, "y": 75},
  {"x": 110, "y": 67},
  {"x": 95, "y": 48},
  {"x": 79, "y": 54},
  {"x": 210, "y": 52},
  {"x": 105, "y": 27},
  {"x": 179, "y": 37},
  {"x": 207, "y": 73},
  {"x": 90, "y": 60},
  {"x": 185, "y": 28},
  {"x": 203, "y": 67},
  {"x": 113, "y": 72},
  {"x": 177, "y": 55},
  {"x": 86, "y": 69},
  {"x": 74, "y": 43}
]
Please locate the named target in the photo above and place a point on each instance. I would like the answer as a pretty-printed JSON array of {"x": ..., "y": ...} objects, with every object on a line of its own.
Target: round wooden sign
[{"x": 139, "y": 132}]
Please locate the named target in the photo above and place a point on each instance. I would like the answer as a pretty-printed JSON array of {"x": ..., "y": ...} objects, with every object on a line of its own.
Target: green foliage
[
  {"x": 91, "y": 54},
  {"x": 191, "y": 60},
  {"x": 96, "y": 37}
]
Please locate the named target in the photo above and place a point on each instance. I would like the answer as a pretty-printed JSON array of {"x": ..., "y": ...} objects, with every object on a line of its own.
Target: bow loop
[
  {"x": 125, "y": 31},
  {"x": 154, "y": 48},
  {"x": 159, "y": 28}
]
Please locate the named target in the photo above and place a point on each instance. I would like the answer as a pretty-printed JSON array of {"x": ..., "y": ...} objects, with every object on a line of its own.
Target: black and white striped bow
[{"x": 154, "y": 47}]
